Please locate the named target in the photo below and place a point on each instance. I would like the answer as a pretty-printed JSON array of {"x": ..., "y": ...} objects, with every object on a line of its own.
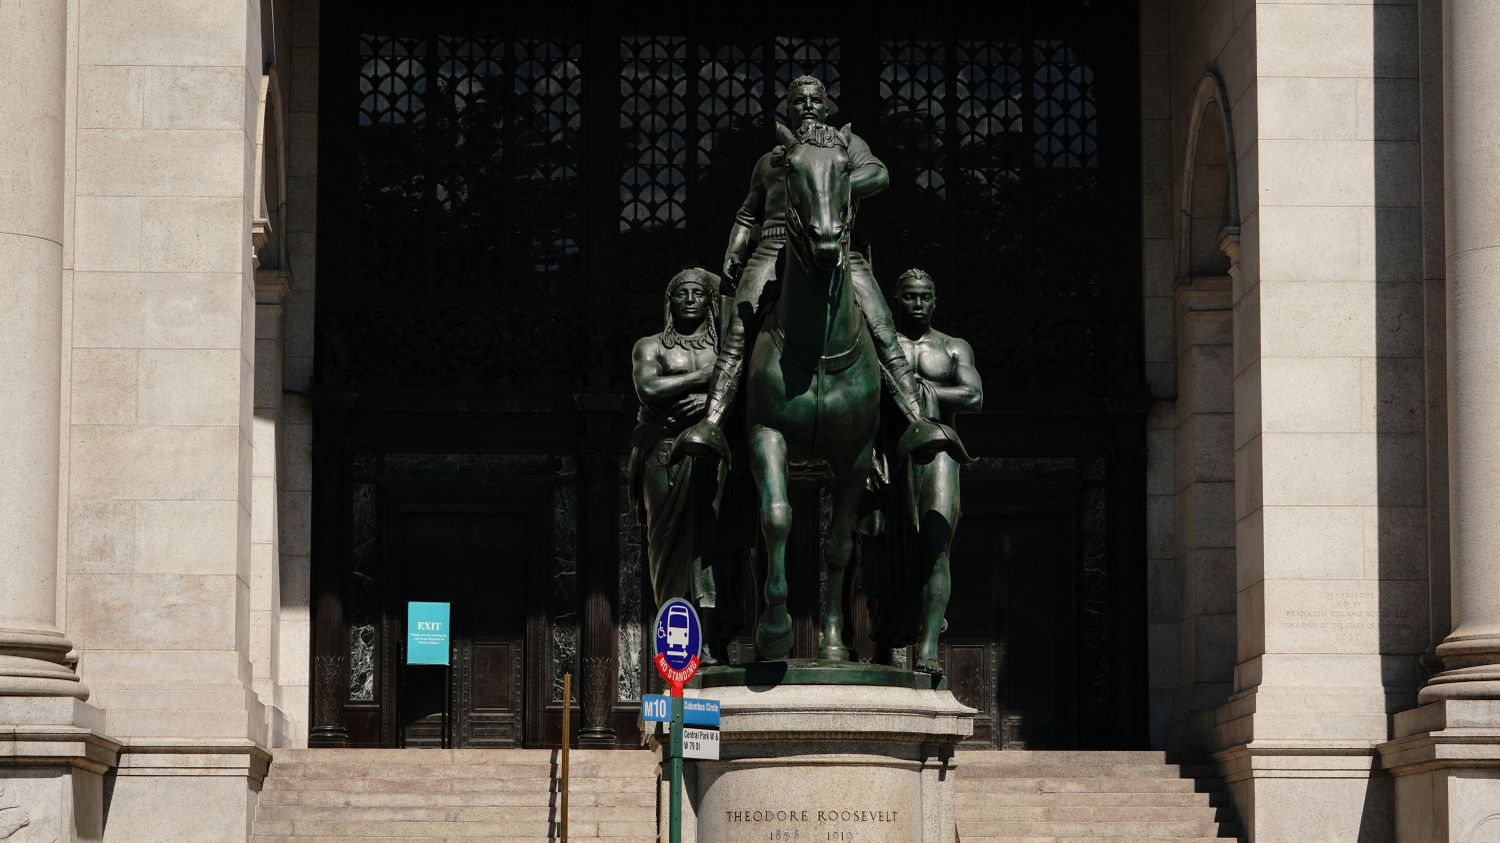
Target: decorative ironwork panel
[
  {"x": 563, "y": 652},
  {"x": 548, "y": 153},
  {"x": 994, "y": 145},
  {"x": 654, "y": 154},
  {"x": 1066, "y": 126},
  {"x": 390, "y": 217},
  {"x": 913, "y": 144},
  {"x": 631, "y": 618},
  {"x": 732, "y": 135},
  {"x": 468, "y": 201},
  {"x": 820, "y": 57},
  {"x": 471, "y": 152},
  {"x": 363, "y": 609},
  {"x": 989, "y": 126}
]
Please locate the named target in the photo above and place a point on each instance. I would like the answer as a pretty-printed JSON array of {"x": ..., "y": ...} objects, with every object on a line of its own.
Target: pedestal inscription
[
  {"x": 782, "y": 802},
  {"x": 828, "y": 764}
]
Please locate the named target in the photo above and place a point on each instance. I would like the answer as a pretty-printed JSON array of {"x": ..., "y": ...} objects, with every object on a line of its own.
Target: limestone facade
[{"x": 1318, "y": 197}]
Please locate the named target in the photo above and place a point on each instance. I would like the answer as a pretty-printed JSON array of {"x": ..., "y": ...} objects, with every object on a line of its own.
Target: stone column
[
  {"x": 34, "y": 657},
  {"x": 1471, "y": 181}
]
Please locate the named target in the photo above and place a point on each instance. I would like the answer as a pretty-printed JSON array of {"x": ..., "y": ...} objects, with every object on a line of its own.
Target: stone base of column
[
  {"x": 1296, "y": 791},
  {"x": 37, "y": 664},
  {"x": 1445, "y": 759},
  {"x": 53, "y": 757},
  {"x": 186, "y": 792},
  {"x": 1299, "y": 760},
  {"x": 1473, "y": 671},
  {"x": 1299, "y": 791}
]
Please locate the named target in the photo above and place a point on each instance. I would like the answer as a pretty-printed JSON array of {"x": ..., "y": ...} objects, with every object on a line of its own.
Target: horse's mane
[{"x": 822, "y": 136}]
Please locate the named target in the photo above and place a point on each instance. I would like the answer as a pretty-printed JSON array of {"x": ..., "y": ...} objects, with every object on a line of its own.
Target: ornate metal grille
[
  {"x": 488, "y": 168},
  {"x": 654, "y": 147},
  {"x": 996, "y": 147}
]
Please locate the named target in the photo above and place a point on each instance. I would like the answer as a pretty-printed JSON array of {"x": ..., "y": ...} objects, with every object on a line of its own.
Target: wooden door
[
  {"x": 480, "y": 548},
  {"x": 1008, "y": 650}
]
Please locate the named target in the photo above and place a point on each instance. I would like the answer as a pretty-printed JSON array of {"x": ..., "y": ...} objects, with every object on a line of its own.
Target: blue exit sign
[{"x": 427, "y": 633}]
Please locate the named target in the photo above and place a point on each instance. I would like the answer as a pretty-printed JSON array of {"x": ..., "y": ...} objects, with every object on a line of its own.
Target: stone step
[
  {"x": 1090, "y": 814},
  {"x": 488, "y": 770},
  {"x": 967, "y": 838},
  {"x": 459, "y": 784},
  {"x": 986, "y": 770},
  {"x": 285, "y": 838},
  {"x": 1075, "y": 784},
  {"x": 338, "y": 798},
  {"x": 1061, "y": 756},
  {"x": 454, "y": 813},
  {"x": 301, "y": 830},
  {"x": 572, "y": 835},
  {"x": 463, "y": 757},
  {"x": 1124, "y": 830},
  {"x": 968, "y": 800}
]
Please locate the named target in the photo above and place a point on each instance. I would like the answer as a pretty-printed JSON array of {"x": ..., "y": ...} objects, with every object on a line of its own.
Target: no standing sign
[{"x": 679, "y": 639}]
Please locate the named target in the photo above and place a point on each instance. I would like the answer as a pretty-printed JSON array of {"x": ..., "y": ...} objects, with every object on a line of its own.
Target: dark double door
[
  {"x": 1008, "y": 650},
  {"x": 479, "y": 548}
]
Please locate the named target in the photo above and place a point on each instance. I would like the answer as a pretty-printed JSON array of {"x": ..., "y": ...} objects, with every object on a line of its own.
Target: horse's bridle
[{"x": 796, "y": 231}]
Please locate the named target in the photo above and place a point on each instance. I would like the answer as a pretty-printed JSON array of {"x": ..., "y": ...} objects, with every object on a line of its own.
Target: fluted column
[
  {"x": 33, "y": 653},
  {"x": 1471, "y": 183}
]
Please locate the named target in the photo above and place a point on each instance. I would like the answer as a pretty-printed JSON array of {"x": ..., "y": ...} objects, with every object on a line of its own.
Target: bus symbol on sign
[
  {"x": 678, "y": 639},
  {"x": 677, "y": 632}
]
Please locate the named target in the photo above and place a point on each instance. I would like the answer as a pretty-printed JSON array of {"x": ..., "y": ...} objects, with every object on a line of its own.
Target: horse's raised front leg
[
  {"x": 848, "y": 487},
  {"x": 773, "y": 631}
]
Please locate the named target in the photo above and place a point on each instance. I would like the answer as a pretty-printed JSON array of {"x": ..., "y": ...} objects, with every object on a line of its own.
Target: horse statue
[{"x": 813, "y": 381}]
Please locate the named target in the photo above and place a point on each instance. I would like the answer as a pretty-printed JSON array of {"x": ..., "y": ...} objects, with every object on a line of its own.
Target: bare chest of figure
[
  {"x": 681, "y": 360},
  {"x": 929, "y": 358}
]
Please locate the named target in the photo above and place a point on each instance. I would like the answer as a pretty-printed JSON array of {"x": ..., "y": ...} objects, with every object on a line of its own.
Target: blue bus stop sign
[{"x": 678, "y": 638}]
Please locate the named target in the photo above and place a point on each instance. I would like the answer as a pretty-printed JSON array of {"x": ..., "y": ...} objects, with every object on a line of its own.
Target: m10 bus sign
[{"x": 679, "y": 639}]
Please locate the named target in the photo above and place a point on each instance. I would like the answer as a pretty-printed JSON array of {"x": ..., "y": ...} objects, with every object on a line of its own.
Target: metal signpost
[{"x": 678, "y": 638}]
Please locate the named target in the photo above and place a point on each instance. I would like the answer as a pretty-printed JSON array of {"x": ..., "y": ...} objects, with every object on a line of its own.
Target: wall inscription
[{"x": 1345, "y": 616}]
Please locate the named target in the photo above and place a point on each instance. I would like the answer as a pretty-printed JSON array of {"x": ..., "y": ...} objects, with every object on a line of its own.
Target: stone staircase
[
  {"x": 1071, "y": 797},
  {"x": 511, "y": 795},
  {"x": 464, "y": 794}
]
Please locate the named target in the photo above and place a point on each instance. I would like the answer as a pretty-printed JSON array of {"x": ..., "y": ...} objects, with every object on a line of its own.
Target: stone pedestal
[
  {"x": 827, "y": 763},
  {"x": 52, "y": 765},
  {"x": 1446, "y": 763}
]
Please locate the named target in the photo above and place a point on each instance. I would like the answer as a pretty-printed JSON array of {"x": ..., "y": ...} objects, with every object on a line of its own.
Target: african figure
[{"x": 949, "y": 384}]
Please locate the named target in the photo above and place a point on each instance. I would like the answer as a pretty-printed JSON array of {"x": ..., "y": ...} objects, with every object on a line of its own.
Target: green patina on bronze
[
  {"x": 688, "y": 554},
  {"x": 822, "y": 340},
  {"x": 814, "y": 672}
]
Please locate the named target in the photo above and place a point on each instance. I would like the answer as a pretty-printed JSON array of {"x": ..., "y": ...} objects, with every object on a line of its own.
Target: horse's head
[{"x": 819, "y": 208}]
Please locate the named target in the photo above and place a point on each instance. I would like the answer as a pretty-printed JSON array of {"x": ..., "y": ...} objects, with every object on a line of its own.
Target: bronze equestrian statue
[
  {"x": 767, "y": 204},
  {"x": 813, "y": 385}
]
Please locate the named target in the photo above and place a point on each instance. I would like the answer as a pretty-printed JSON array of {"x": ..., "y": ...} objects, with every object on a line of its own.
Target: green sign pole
[{"x": 674, "y": 750}]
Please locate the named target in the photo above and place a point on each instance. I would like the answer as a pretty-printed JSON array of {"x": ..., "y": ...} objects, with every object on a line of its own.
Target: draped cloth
[{"x": 701, "y": 527}]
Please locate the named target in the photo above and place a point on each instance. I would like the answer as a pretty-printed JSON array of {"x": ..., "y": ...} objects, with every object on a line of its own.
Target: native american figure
[{"x": 671, "y": 370}]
